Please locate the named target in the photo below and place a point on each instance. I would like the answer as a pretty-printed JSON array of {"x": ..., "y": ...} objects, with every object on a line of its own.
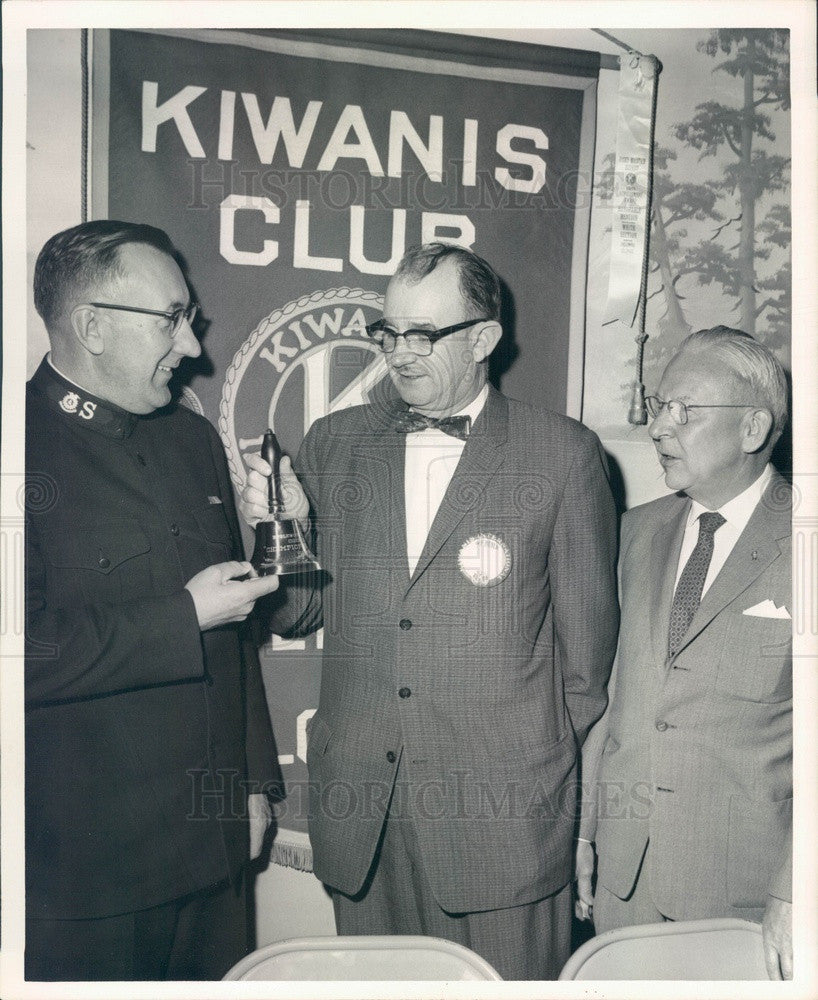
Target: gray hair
[{"x": 753, "y": 363}]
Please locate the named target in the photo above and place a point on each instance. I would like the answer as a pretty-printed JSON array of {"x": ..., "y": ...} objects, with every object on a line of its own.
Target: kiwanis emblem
[
  {"x": 302, "y": 361},
  {"x": 485, "y": 560},
  {"x": 70, "y": 402}
]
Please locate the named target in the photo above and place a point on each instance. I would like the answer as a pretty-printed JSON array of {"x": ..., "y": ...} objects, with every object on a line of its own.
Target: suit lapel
[
  {"x": 481, "y": 457},
  {"x": 757, "y": 547},
  {"x": 664, "y": 558}
]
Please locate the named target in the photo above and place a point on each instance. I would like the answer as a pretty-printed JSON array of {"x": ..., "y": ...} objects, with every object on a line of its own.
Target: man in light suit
[
  {"x": 469, "y": 627},
  {"x": 688, "y": 775}
]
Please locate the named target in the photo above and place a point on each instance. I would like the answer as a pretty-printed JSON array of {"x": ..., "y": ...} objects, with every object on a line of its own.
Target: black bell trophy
[{"x": 280, "y": 544}]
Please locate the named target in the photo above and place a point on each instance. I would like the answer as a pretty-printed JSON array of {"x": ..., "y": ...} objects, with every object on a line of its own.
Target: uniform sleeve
[
  {"x": 583, "y": 585},
  {"x": 80, "y": 652},
  {"x": 261, "y": 764}
]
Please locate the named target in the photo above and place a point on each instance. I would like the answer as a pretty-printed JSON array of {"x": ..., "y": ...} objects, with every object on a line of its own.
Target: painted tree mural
[
  {"x": 729, "y": 229},
  {"x": 760, "y": 59}
]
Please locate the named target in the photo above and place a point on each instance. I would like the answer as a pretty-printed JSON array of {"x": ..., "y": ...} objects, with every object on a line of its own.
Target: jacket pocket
[
  {"x": 212, "y": 523},
  {"x": 104, "y": 563},
  {"x": 756, "y": 660},
  {"x": 757, "y": 844}
]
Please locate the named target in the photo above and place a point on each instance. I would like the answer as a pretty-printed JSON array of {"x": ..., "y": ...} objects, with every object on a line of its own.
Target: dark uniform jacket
[
  {"x": 484, "y": 674},
  {"x": 140, "y": 729}
]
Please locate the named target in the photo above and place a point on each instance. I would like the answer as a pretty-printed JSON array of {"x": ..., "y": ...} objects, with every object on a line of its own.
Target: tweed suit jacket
[
  {"x": 485, "y": 691},
  {"x": 694, "y": 753},
  {"x": 140, "y": 728}
]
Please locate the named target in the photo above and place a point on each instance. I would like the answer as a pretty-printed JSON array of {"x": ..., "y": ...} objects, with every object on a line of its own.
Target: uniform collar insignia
[{"x": 76, "y": 404}]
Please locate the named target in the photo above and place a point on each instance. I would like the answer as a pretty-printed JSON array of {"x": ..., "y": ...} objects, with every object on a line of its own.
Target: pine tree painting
[
  {"x": 745, "y": 246},
  {"x": 720, "y": 218}
]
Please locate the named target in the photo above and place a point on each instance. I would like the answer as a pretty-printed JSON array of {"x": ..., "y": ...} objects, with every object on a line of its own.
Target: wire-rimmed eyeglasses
[
  {"x": 417, "y": 341},
  {"x": 183, "y": 314},
  {"x": 678, "y": 410}
]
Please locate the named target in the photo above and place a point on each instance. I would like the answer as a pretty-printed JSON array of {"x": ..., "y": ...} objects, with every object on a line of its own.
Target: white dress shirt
[
  {"x": 736, "y": 513},
  {"x": 431, "y": 460}
]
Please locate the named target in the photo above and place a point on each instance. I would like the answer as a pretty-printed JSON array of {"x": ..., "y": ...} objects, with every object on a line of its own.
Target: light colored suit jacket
[
  {"x": 487, "y": 691},
  {"x": 694, "y": 753}
]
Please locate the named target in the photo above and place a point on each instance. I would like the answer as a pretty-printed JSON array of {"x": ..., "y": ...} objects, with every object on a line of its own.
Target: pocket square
[
  {"x": 214, "y": 500},
  {"x": 766, "y": 609}
]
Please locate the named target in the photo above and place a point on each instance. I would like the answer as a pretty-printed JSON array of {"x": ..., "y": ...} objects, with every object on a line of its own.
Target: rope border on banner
[{"x": 272, "y": 321}]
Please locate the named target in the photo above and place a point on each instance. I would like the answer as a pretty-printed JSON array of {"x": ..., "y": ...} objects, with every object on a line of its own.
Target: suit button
[
  {"x": 405, "y": 692},
  {"x": 104, "y": 563},
  {"x": 390, "y": 756},
  {"x": 661, "y": 726},
  {"x": 141, "y": 459},
  {"x": 174, "y": 529},
  {"x": 405, "y": 624}
]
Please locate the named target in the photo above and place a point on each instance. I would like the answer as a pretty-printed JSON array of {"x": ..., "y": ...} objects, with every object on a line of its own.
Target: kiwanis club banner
[{"x": 292, "y": 170}]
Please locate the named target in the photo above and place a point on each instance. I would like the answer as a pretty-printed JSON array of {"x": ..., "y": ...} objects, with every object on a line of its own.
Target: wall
[{"x": 289, "y": 903}]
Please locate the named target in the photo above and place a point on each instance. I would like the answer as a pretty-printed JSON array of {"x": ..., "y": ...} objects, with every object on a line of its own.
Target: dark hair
[
  {"x": 753, "y": 363},
  {"x": 479, "y": 283},
  {"x": 77, "y": 259}
]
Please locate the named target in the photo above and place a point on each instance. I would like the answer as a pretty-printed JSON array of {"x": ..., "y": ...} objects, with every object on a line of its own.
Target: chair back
[
  {"x": 381, "y": 957},
  {"x": 717, "y": 949}
]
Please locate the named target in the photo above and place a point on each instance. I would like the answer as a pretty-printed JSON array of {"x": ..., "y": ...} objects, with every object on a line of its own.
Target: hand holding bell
[{"x": 280, "y": 544}]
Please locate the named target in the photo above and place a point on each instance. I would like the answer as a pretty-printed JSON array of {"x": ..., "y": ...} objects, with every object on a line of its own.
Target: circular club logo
[
  {"x": 484, "y": 559},
  {"x": 301, "y": 362}
]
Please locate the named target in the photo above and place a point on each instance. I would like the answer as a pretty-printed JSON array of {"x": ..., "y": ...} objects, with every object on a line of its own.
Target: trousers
[
  {"x": 527, "y": 942},
  {"x": 197, "y": 937}
]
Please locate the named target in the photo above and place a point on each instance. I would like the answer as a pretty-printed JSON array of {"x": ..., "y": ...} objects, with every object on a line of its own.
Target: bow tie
[{"x": 406, "y": 422}]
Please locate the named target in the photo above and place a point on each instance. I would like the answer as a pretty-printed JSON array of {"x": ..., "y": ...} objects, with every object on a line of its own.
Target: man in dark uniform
[{"x": 146, "y": 722}]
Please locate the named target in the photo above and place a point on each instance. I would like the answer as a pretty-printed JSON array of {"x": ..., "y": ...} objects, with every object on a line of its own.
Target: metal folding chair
[
  {"x": 379, "y": 957},
  {"x": 718, "y": 949}
]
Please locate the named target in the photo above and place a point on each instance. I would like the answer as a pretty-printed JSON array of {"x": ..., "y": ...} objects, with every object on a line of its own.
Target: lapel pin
[{"x": 484, "y": 559}]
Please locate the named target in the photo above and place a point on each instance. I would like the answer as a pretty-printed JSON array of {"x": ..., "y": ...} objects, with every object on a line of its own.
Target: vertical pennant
[{"x": 634, "y": 134}]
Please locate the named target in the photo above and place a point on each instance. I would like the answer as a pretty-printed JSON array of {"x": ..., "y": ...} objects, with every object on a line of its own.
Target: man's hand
[
  {"x": 261, "y": 816},
  {"x": 584, "y": 904},
  {"x": 253, "y": 500},
  {"x": 776, "y": 932},
  {"x": 220, "y": 598}
]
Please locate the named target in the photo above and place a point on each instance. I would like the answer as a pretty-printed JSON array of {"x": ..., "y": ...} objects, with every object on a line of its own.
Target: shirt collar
[
  {"x": 738, "y": 511},
  {"x": 475, "y": 407},
  {"x": 80, "y": 406}
]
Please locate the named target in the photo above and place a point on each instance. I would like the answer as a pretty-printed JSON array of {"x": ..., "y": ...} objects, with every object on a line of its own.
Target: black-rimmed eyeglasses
[
  {"x": 678, "y": 410},
  {"x": 417, "y": 341},
  {"x": 183, "y": 314}
]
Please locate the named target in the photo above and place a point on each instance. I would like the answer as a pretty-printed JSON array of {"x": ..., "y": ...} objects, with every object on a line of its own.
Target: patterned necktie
[
  {"x": 689, "y": 589},
  {"x": 408, "y": 421}
]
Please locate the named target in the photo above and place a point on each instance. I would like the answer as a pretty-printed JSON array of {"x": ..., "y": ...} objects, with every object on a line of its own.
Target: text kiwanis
[{"x": 247, "y": 223}]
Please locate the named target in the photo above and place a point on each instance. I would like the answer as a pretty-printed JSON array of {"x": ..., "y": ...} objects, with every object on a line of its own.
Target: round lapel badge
[{"x": 485, "y": 560}]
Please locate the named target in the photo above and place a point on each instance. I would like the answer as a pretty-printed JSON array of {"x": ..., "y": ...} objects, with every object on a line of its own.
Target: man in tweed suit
[
  {"x": 469, "y": 627},
  {"x": 689, "y": 772}
]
